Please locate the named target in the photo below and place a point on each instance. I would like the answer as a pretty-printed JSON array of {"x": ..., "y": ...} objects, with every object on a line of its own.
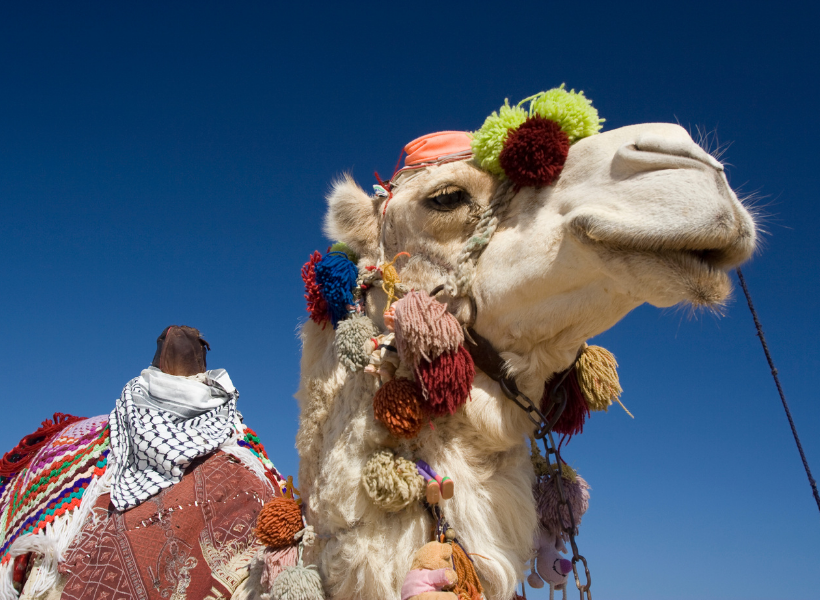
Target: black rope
[{"x": 779, "y": 387}]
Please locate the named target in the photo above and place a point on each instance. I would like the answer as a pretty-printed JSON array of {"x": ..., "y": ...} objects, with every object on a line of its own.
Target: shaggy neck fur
[{"x": 365, "y": 552}]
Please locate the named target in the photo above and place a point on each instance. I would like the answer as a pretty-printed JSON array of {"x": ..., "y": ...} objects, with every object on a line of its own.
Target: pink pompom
[{"x": 553, "y": 517}]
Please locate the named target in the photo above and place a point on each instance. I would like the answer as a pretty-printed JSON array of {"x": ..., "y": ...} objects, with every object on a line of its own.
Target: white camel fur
[{"x": 639, "y": 214}]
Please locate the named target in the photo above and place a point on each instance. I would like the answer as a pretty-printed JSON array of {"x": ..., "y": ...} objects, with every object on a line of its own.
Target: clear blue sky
[{"x": 167, "y": 164}]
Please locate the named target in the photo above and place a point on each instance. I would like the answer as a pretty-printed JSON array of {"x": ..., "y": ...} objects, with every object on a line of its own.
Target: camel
[{"x": 639, "y": 214}]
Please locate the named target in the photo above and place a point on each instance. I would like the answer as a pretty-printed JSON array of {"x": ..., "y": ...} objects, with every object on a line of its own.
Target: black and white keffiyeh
[{"x": 161, "y": 423}]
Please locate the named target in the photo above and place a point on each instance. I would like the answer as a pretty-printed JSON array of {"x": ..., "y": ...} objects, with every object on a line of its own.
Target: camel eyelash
[{"x": 448, "y": 198}]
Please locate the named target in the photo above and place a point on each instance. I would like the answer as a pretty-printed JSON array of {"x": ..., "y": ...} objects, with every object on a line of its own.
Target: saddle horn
[{"x": 181, "y": 350}]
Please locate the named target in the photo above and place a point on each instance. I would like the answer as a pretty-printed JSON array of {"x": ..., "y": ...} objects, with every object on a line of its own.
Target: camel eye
[{"x": 448, "y": 199}]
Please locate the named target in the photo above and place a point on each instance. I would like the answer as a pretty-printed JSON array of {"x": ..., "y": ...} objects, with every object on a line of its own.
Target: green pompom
[
  {"x": 345, "y": 249},
  {"x": 572, "y": 111},
  {"x": 489, "y": 140}
]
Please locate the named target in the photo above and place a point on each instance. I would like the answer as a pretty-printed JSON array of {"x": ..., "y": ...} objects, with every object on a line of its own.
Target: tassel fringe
[{"x": 597, "y": 373}]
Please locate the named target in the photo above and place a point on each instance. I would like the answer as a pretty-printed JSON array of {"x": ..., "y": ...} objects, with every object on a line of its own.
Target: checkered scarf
[{"x": 161, "y": 423}]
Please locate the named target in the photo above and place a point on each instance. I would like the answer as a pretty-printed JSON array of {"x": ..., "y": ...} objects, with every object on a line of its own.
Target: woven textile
[
  {"x": 160, "y": 424},
  {"x": 54, "y": 481},
  {"x": 251, "y": 441}
]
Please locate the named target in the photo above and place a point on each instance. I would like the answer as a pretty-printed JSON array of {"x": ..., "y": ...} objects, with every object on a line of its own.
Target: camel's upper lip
[{"x": 718, "y": 250}]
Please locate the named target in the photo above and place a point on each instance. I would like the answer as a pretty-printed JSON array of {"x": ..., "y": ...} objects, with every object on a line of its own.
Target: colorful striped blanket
[{"x": 54, "y": 482}]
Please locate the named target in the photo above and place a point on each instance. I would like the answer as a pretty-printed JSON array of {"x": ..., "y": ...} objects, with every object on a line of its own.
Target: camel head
[
  {"x": 538, "y": 233},
  {"x": 638, "y": 214}
]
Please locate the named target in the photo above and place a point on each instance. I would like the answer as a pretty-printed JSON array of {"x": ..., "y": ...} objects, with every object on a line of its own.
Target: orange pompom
[
  {"x": 279, "y": 520},
  {"x": 397, "y": 405}
]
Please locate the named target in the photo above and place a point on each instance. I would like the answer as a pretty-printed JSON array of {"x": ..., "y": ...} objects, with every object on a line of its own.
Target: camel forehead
[{"x": 479, "y": 183}]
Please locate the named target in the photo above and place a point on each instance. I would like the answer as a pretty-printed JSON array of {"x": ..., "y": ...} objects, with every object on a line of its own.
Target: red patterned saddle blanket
[{"x": 192, "y": 540}]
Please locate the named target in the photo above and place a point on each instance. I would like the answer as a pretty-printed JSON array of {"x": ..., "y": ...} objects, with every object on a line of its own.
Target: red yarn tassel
[
  {"x": 446, "y": 381},
  {"x": 316, "y": 303},
  {"x": 575, "y": 413},
  {"x": 534, "y": 154}
]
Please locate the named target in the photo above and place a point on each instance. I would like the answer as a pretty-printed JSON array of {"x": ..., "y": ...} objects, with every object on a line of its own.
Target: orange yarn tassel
[{"x": 468, "y": 586}]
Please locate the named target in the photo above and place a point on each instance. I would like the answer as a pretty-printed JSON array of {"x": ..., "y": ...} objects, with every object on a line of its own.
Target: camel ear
[{"x": 352, "y": 217}]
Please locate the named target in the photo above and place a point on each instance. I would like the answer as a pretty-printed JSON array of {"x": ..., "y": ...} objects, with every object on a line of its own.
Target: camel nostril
[{"x": 675, "y": 147}]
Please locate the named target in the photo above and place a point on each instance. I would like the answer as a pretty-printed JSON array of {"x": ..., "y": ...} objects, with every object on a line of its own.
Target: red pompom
[
  {"x": 316, "y": 303},
  {"x": 576, "y": 411},
  {"x": 446, "y": 381},
  {"x": 535, "y": 153}
]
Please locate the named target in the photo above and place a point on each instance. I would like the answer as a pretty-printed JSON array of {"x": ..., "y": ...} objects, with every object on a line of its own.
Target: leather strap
[{"x": 489, "y": 360}]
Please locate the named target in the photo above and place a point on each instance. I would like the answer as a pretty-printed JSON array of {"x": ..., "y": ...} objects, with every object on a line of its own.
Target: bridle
[{"x": 489, "y": 360}]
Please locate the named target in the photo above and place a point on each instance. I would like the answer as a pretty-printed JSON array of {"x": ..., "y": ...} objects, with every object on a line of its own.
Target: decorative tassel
[
  {"x": 390, "y": 278},
  {"x": 397, "y": 405},
  {"x": 468, "y": 586},
  {"x": 298, "y": 583},
  {"x": 447, "y": 381},
  {"x": 316, "y": 304},
  {"x": 345, "y": 249},
  {"x": 535, "y": 153},
  {"x": 276, "y": 561},
  {"x": 392, "y": 482},
  {"x": 278, "y": 522},
  {"x": 597, "y": 373},
  {"x": 553, "y": 517},
  {"x": 424, "y": 329},
  {"x": 575, "y": 413},
  {"x": 351, "y": 336},
  {"x": 336, "y": 277}
]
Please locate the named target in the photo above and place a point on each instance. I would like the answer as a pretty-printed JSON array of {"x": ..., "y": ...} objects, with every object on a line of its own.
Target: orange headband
[{"x": 434, "y": 146}]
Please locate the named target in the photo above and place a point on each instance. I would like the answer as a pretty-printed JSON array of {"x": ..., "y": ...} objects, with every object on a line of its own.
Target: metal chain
[
  {"x": 543, "y": 431},
  {"x": 550, "y": 448}
]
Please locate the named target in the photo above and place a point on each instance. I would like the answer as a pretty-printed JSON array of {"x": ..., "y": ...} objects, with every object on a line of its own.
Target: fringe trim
[{"x": 52, "y": 543}]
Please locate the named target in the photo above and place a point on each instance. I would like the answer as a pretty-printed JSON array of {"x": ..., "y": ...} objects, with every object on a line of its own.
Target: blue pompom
[{"x": 336, "y": 274}]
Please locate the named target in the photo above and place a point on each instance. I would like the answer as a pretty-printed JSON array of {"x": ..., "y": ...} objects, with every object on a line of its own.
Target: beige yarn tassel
[{"x": 597, "y": 372}]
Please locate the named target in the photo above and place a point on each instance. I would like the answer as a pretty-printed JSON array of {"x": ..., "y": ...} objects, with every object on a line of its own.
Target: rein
[{"x": 490, "y": 361}]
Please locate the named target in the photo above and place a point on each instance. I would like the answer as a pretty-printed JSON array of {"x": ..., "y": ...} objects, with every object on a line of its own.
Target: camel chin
[{"x": 639, "y": 214}]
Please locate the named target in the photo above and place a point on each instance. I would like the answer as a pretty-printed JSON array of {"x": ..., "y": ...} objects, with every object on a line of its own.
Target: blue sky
[{"x": 167, "y": 164}]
